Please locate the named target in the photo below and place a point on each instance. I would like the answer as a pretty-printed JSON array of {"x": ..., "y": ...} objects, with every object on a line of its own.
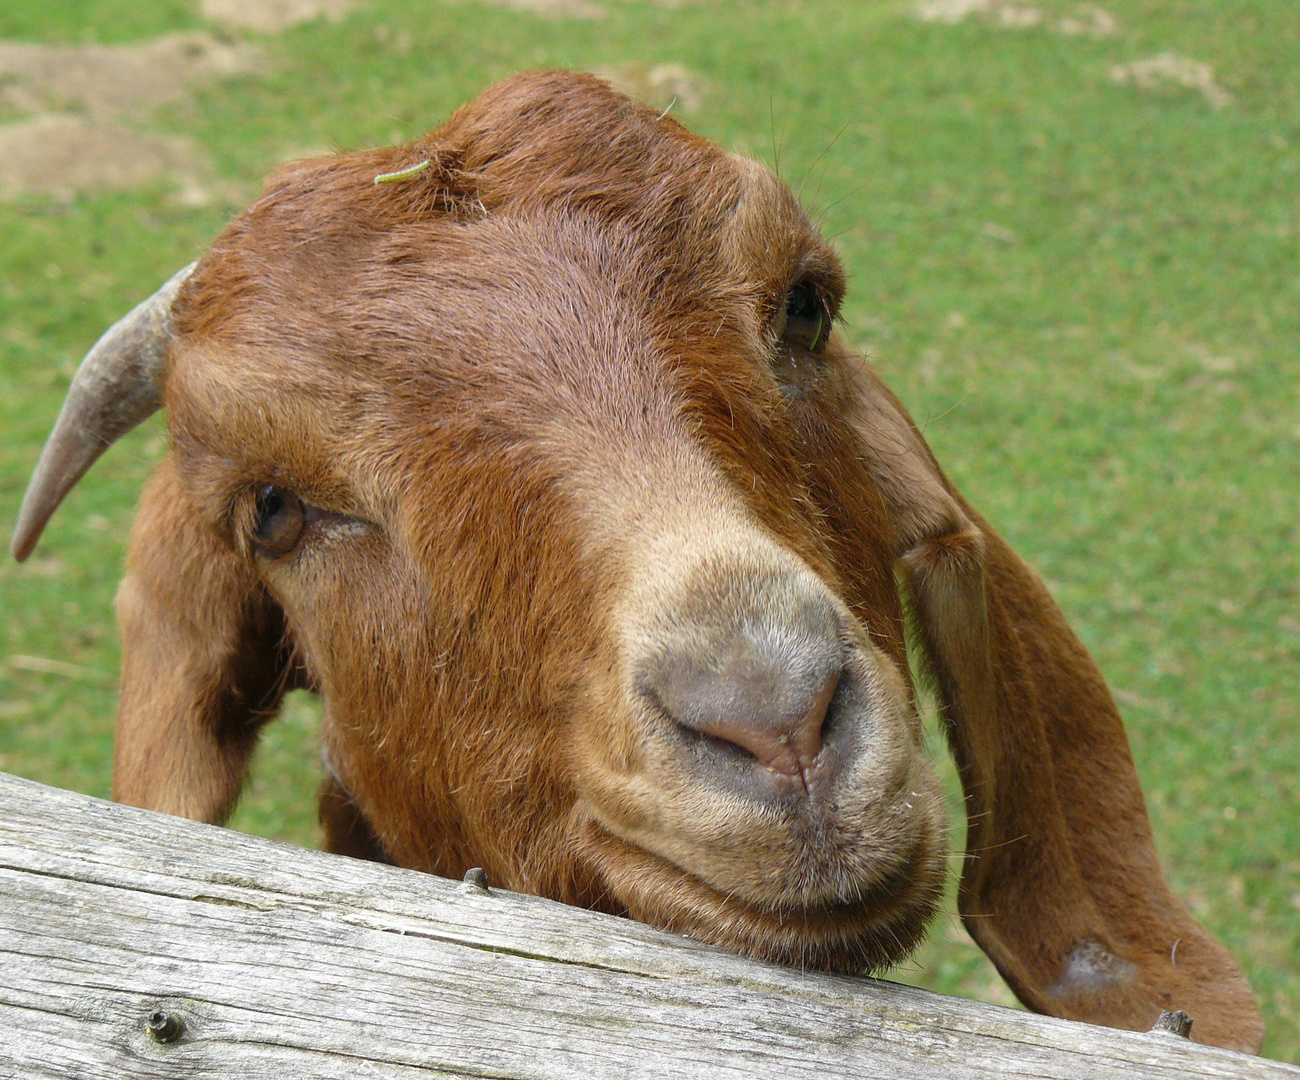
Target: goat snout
[
  {"x": 748, "y": 677},
  {"x": 778, "y": 773},
  {"x": 751, "y": 705}
]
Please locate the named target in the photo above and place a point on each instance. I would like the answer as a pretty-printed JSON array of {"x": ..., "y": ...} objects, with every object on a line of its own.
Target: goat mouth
[{"x": 879, "y": 925}]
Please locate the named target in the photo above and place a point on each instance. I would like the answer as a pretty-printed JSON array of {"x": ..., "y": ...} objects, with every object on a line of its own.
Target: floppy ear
[
  {"x": 203, "y": 660},
  {"x": 1061, "y": 888}
]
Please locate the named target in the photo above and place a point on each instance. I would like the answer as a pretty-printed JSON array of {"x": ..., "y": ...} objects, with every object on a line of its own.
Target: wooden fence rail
[{"x": 136, "y": 945}]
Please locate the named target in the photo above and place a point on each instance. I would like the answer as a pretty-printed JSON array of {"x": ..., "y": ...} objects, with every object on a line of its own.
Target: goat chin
[
  {"x": 541, "y": 461},
  {"x": 880, "y": 925}
]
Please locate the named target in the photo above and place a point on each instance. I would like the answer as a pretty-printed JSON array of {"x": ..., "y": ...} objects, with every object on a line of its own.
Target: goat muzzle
[{"x": 778, "y": 773}]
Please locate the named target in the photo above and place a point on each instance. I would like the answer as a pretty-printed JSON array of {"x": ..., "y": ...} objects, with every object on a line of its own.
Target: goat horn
[{"x": 115, "y": 388}]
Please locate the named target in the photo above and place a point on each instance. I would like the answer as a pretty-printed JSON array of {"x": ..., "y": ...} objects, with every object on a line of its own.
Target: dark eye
[
  {"x": 280, "y": 520},
  {"x": 806, "y": 322}
]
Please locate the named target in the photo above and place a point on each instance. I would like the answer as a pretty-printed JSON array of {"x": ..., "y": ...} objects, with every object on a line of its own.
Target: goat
[{"x": 531, "y": 446}]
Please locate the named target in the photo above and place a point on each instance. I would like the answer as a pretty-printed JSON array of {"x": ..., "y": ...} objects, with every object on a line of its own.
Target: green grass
[{"x": 1087, "y": 291}]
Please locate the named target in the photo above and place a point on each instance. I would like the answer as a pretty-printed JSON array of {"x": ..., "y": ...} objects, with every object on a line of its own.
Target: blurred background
[{"x": 1072, "y": 233}]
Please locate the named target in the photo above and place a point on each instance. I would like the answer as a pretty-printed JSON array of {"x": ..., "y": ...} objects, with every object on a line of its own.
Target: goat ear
[
  {"x": 1061, "y": 887},
  {"x": 204, "y": 661},
  {"x": 202, "y": 656}
]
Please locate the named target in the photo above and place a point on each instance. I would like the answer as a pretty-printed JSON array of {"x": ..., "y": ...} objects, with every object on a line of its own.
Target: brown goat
[{"x": 539, "y": 461}]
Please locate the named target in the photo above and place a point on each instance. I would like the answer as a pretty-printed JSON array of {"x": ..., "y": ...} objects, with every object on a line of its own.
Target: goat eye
[
  {"x": 280, "y": 520},
  {"x": 797, "y": 359},
  {"x": 805, "y": 320}
]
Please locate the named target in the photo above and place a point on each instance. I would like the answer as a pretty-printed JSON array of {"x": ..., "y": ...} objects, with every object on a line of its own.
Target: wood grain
[{"x": 283, "y": 963}]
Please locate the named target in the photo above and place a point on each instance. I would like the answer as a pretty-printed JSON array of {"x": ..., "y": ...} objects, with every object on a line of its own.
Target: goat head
[{"x": 541, "y": 461}]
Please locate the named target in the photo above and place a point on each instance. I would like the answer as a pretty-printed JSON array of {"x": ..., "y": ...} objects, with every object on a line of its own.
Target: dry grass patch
[
  {"x": 1085, "y": 19},
  {"x": 63, "y": 155},
  {"x": 552, "y": 9},
  {"x": 74, "y": 142},
  {"x": 659, "y": 85},
  {"x": 110, "y": 80},
  {"x": 1167, "y": 71},
  {"x": 272, "y": 16}
]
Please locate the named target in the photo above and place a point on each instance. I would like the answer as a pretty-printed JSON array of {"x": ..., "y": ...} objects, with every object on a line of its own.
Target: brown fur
[
  {"x": 1062, "y": 887},
  {"x": 529, "y": 389}
]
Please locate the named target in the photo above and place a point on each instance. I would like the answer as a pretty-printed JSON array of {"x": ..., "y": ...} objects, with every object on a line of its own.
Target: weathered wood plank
[{"x": 288, "y": 963}]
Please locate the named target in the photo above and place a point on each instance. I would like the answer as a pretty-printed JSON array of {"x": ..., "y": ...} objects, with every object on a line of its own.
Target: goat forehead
[
  {"x": 541, "y": 147},
  {"x": 589, "y": 244},
  {"x": 523, "y": 307},
  {"x": 548, "y": 303},
  {"x": 539, "y": 332}
]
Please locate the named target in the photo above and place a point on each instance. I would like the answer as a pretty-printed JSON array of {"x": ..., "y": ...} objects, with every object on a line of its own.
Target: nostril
[
  {"x": 783, "y": 741},
  {"x": 775, "y": 717}
]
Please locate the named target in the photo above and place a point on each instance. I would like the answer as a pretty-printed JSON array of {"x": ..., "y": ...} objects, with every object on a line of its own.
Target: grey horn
[{"x": 116, "y": 387}]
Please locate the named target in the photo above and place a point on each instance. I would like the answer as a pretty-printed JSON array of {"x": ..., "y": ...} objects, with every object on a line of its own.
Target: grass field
[{"x": 1073, "y": 236}]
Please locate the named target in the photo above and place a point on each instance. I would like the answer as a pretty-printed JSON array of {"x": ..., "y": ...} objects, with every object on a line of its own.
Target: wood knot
[{"x": 165, "y": 1027}]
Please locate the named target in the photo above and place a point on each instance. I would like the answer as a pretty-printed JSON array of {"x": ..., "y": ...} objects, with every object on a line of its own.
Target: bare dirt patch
[
  {"x": 74, "y": 142},
  {"x": 552, "y": 9},
  {"x": 272, "y": 16},
  {"x": 561, "y": 9},
  {"x": 63, "y": 155},
  {"x": 1080, "y": 19},
  {"x": 106, "y": 80},
  {"x": 1168, "y": 71},
  {"x": 659, "y": 85}
]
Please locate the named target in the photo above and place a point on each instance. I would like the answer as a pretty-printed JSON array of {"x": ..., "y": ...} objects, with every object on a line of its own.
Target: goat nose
[
  {"x": 775, "y": 716},
  {"x": 783, "y": 742}
]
